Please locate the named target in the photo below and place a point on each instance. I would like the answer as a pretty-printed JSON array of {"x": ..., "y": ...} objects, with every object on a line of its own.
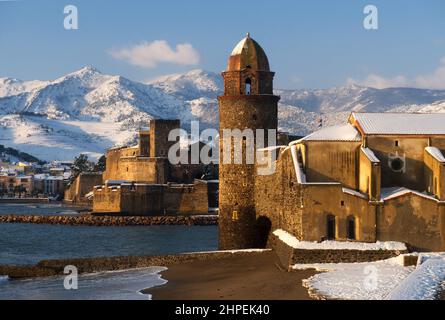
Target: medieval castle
[{"x": 378, "y": 177}]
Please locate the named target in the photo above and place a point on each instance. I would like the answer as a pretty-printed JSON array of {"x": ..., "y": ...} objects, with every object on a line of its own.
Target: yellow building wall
[
  {"x": 413, "y": 219},
  {"x": 369, "y": 177},
  {"x": 434, "y": 176},
  {"x": 319, "y": 201},
  {"x": 412, "y": 148},
  {"x": 331, "y": 161}
]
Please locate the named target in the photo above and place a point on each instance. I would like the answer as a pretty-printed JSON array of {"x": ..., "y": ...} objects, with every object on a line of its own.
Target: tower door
[
  {"x": 351, "y": 228},
  {"x": 330, "y": 227}
]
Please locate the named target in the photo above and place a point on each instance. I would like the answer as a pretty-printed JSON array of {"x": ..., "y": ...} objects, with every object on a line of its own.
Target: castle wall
[
  {"x": 415, "y": 220},
  {"x": 187, "y": 199},
  {"x": 82, "y": 185},
  {"x": 278, "y": 199},
  {"x": 107, "y": 199},
  {"x": 329, "y": 161},
  {"x": 152, "y": 199},
  {"x": 133, "y": 168},
  {"x": 159, "y": 131}
]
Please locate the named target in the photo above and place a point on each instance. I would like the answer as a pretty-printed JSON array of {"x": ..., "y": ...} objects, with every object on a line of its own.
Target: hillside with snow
[{"x": 88, "y": 111}]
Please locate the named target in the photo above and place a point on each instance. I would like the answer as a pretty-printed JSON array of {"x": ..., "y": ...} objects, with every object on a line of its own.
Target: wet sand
[{"x": 239, "y": 277}]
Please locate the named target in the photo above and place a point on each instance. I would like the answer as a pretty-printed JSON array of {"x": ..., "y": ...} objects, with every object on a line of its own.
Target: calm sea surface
[{"x": 29, "y": 243}]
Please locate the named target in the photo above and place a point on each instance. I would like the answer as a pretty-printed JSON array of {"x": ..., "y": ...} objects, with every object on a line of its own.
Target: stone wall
[
  {"x": 135, "y": 168},
  {"x": 82, "y": 185},
  {"x": 159, "y": 131},
  {"x": 289, "y": 256},
  {"x": 152, "y": 199},
  {"x": 111, "y": 221},
  {"x": 278, "y": 199},
  {"x": 413, "y": 219}
]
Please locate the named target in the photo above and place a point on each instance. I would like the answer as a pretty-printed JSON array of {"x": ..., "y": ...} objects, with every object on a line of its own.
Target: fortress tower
[{"x": 248, "y": 103}]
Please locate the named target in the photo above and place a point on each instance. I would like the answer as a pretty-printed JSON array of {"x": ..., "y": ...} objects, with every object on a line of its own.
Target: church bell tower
[{"x": 248, "y": 103}]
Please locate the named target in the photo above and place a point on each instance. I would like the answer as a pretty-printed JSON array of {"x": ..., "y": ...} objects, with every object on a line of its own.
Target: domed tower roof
[{"x": 248, "y": 53}]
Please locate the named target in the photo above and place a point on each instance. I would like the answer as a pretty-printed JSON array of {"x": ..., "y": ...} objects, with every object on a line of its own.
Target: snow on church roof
[
  {"x": 401, "y": 123},
  {"x": 345, "y": 132},
  {"x": 436, "y": 153}
]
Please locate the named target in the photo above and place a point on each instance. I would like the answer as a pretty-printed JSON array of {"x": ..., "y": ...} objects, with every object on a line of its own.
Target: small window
[
  {"x": 342, "y": 203},
  {"x": 397, "y": 164},
  {"x": 396, "y": 143}
]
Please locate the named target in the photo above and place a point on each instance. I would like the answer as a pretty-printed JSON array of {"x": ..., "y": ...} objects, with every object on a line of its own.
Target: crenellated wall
[{"x": 152, "y": 199}]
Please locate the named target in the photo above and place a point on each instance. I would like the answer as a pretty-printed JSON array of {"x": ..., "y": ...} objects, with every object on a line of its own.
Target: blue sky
[{"x": 310, "y": 44}]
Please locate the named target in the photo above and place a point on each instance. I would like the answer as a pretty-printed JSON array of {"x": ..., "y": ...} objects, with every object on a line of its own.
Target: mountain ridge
[{"x": 88, "y": 111}]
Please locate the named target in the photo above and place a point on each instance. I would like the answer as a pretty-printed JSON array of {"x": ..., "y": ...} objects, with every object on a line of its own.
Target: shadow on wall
[{"x": 263, "y": 226}]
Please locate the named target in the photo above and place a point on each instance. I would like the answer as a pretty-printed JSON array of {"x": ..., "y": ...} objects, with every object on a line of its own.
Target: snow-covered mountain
[{"x": 88, "y": 111}]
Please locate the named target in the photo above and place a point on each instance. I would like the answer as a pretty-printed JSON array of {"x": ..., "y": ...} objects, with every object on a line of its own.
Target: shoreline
[
  {"x": 239, "y": 277},
  {"x": 47, "y": 268},
  {"x": 108, "y": 220}
]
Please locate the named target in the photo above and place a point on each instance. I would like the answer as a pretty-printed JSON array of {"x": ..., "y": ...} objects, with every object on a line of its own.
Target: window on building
[
  {"x": 396, "y": 143},
  {"x": 351, "y": 228},
  {"x": 330, "y": 227},
  {"x": 248, "y": 86},
  {"x": 397, "y": 164},
  {"x": 342, "y": 203}
]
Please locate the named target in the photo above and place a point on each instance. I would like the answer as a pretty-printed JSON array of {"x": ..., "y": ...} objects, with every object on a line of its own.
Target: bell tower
[{"x": 248, "y": 103}]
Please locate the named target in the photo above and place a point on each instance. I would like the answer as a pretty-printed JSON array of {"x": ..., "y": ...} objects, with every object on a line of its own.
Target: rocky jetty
[
  {"x": 48, "y": 268},
  {"x": 102, "y": 220}
]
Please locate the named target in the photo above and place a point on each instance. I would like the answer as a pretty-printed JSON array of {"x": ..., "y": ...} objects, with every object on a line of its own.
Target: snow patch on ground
[
  {"x": 425, "y": 283},
  {"x": 337, "y": 245},
  {"x": 355, "y": 281}
]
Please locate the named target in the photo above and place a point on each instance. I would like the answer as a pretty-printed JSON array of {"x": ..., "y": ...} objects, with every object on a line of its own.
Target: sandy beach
[{"x": 239, "y": 277}]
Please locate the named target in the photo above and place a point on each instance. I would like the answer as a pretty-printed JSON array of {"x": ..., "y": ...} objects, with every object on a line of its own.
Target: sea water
[
  {"x": 24, "y": 244},
  {"x": 115, "y": 285}
]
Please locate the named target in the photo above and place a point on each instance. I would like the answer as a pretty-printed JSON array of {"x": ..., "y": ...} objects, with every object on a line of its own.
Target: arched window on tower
[{"x": 248, "y": 86}]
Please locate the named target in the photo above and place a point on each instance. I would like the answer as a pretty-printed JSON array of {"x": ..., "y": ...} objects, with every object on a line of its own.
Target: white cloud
[
  {"x": 434, "y": 80},
  {"x": 150, "y": 54},
  {"x": 379, "y": 82}
]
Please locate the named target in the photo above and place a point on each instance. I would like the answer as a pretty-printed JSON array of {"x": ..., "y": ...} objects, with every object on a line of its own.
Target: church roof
[
  {"x": 400, "y": 123},
  {"x": 248, "y": 53},
  {"x": 345, "y": 132}
]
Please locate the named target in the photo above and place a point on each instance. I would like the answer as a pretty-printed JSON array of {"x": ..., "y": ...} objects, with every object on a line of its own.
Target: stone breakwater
[
  {"x": 93, "y": 220},
  {"x": 47, "y": 268}
]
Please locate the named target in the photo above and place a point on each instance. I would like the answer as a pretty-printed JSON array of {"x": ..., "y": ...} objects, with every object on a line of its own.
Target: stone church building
[{"x": 378, "y": 177}]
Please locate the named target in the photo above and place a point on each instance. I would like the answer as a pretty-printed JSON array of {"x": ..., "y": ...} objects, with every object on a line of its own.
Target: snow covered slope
[{"x": 89, "y": 111}]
